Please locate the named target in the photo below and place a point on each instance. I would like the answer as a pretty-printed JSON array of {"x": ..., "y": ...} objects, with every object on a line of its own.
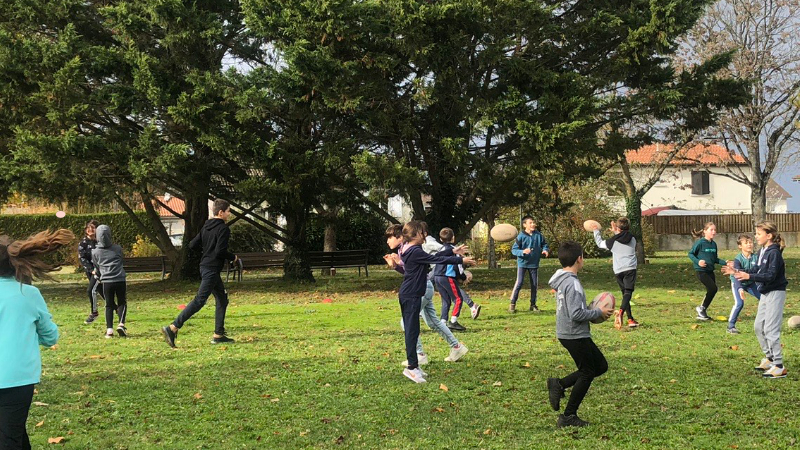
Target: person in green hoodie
[
  {"x": 25, "y": 324},
  {"x": 704, "y": 257}
]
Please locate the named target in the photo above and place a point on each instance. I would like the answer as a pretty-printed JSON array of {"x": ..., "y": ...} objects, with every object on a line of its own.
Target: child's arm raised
[{"x": 598, "y": 239}]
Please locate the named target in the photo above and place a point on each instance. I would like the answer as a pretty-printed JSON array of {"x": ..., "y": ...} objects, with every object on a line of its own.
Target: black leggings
[
  {"x": 116, "y": 295},
  {"x": 591, "y": 364},
  {"x": 627, "y": 281},
  {"x": 93, "y": 291},
  {"x": 15, "y": 403},
  {"x": 710, "y": 282}
]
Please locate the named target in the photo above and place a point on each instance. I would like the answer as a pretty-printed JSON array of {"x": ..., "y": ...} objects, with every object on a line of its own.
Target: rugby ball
[
  {"x": 591, "y": 225},
  {"x": 600, "y": 301},
  {"x": 504, "y": 232},
  {"x": 794, "y": 322}
]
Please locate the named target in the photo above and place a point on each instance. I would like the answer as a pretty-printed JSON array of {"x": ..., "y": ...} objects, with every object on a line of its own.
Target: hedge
[
  {"x": 354, "y": 231},
  {"x": 123, "y": 229}
]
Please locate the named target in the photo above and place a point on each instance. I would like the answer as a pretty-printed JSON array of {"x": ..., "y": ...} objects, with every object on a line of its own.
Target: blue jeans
[
  {"x": 738, "y": 302},
  {"x": 533, "y": 275},
  {"x": 210, "y": 283}
]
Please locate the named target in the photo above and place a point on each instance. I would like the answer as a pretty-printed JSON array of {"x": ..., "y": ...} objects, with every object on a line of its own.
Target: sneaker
[
  {"x": 422, "y": 358},
  {"x": 414, "y": 375},
  {"x": 733, "y": 330},
  {"x": 570, "y": 421},
  {"x": 701, "y": 313},
  {"x": 775, "y": 372},
  {"x": 457, "y": 352},
  {"x": 765, "y": 364},
  {"x": 169, "y": 335},
  {"x": 632, "y": 323},
  {"x": 221, "y": 340},
  {"x": 556, "y": 393},
  {"x": 618, "y": 319},
  {"x": 476, "y": 311},
  {"x": 109, "y": 333},
  {"x": 91, "y": 318},
  {"x": 533, "y": 308},
  {"x": 455, "y": 326},
  {"x": 121, "y": 330},
  {"x": 512, "y": 308}
]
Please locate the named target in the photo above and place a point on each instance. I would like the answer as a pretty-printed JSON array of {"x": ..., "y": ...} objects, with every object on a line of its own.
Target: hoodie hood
[
  {"x": 560, "y": 277},
  {"x": 104, "y": 239},
  {"x": 623, "y": 237},
  {"x": 213, "y": 225}
]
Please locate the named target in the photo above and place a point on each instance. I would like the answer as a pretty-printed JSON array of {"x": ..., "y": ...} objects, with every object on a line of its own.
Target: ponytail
[{"x": 22, "y": 259}]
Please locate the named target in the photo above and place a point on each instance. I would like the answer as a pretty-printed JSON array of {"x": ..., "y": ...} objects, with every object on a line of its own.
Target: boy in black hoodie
[{"x": 213, "y": 240}]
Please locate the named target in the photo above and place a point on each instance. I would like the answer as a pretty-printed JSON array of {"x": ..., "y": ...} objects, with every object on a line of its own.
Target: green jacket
[{"x": 705, "y": 250}]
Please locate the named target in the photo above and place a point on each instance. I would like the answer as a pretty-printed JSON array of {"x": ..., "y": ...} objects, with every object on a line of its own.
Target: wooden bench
[
  {"x": 319, "y": 260},
  {"x": 146, "y": 264}
]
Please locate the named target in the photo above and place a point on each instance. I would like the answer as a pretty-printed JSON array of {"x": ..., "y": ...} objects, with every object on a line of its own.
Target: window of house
[{"x": 700, "y": 184}]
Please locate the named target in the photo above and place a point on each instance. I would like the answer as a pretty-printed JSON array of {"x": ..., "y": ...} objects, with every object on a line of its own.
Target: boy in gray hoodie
[
  {"x": 107, "y": 260},
  {"x": 572, "y": 330}
]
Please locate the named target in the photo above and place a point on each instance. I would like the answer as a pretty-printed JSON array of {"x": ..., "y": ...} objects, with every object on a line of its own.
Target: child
[
  {"x": 25, "y": 324},
  {"x": 528, "y": 248},
  {"x": 572, "y": 330},
  {"x": 394, "y": 239},
  {"x": 743, "y": 261},
  {"x": 107, "y": 260},
  {"x": 416, "y": 265},
  {"x": 445, "y": 279},
  {"x": 213, "y": 240},
  {"x": 704, "y": 255},
  {"x": 623, "y": 249},
  {"x": 770, "y": 278},
  {"x": 85, "y": 247}
]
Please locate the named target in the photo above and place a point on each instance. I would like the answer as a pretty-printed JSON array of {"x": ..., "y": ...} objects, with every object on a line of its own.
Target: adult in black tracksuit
[
  {"x": 85, "y": 247},
  {"x": 213, "y": 240}
]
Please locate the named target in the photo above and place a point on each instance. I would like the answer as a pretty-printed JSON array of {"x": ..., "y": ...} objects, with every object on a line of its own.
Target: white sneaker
[
  {"x": 415, "y": 375},
  {"x": 457, "y": 352},
  {"x": 775, "y": 372},
  {"x": 765, "y": 364},
  {"x": 109, "y": 333},
  {"x": 476, "y": 311},
  {"x": 422, "y": 358}
]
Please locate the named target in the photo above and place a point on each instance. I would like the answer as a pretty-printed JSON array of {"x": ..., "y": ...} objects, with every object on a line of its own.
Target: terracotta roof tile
[{"x": 711, "y": 155}]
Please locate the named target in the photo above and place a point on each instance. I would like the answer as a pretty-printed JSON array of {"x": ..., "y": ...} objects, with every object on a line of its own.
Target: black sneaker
[
  {"x": 512, "y": 308},
  {"x": 455, "y": 326},
  {"x": 533, "y": 308},
  {"x": 570, "y": 421},
  {"x": 91, "y": 318},
  {"x": 122, "y": 331},
  {"x": 221, "y": 340},
  {"x": 701, "y": 313},
  {"x": 169, "y": 335},
  {"x": 556, "y": 393}
]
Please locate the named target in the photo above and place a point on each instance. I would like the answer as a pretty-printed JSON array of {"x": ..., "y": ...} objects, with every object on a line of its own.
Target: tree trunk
[
  {"x": 758, "y": 201},
  {"x": 297, "y": 266},
  {"x": 491, "y": 251},
  {"x": 633, "y": 208},
  {"x": 330, "y": 239},
  {"x": 187, "y": 266}
]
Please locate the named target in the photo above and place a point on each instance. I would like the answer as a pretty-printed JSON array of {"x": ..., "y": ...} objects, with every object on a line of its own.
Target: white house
[{"x": 695, "y": 181}]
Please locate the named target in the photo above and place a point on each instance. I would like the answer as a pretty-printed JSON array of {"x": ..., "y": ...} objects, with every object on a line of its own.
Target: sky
[{"x": 784, "y": 178}]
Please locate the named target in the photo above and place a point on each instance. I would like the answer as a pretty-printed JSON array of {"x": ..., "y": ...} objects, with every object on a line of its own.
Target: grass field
[{"x": 308, "y": 374}]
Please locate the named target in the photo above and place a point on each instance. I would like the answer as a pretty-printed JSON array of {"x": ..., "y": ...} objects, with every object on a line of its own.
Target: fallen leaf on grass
[
  {"x": 498, "y": 383},
  {"x": 673, "y": 380},
  {"x": 40, "y": 423},
  {"x": 443, "y": 387},
  {"x": 198, "y": 395},
  {"x": 41, "y": 404},
  {"x": 488, "y": 431},
  {"x": 734, "y": 347},
  {"x": 96, "y": 357},
  {"x": 527, "y": 364},
  {"x": 695, "y": 326},
  {"x": 56, "y": 440},
  {"x": 438, "y": 409},
  {"x": 275, "y": 400},
  {"x": 671, "y": 291},
  {"x": 303, "y": 433}
]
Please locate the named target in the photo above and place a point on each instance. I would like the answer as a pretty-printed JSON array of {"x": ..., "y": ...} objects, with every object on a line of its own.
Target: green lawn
[{"x": 307, "y": 374}]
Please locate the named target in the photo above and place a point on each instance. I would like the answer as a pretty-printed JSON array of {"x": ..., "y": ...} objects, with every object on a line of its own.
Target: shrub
[{"x": 143, "y": 247}]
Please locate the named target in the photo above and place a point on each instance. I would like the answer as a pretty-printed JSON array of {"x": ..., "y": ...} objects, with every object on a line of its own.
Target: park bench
[
  {"x": 319, "y": 260},
  {"x": 146, "y": 264}
]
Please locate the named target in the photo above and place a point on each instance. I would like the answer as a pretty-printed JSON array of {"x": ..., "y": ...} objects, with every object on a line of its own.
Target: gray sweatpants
[{"x": 768, "y": 324}]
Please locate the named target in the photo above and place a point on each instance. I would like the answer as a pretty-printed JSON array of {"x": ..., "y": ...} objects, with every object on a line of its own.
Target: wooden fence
[{"x": 726, "y": 223}]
